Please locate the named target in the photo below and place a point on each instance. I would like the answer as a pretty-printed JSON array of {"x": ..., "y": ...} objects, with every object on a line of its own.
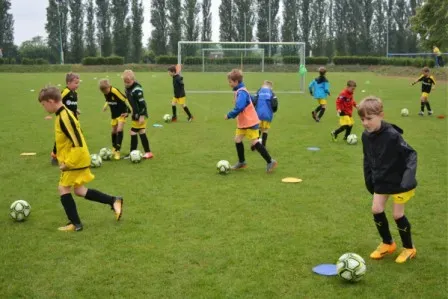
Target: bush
[
  {"x": 149, "y": 57},
  {"x": 192, "y": 60},
  {"x": 3, "y": 61},
  {"x": 114, "y": 60},
  {"x": 41, "y": 61},
  {"x": 165, "y": 59},
  {"x": 372, "y": 60},
  {"x": 320, "y": 60},
  {"x": 111, "y": 60},
  {"x": 28, "y": 61}
]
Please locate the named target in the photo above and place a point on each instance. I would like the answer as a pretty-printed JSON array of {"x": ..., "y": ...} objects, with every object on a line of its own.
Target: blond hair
[
  {"x": 268, "y": 83},
  {"x": 370, "y": 105},
  {"x": 104, "y": 83},
  {"x": 49, "y": 93},
  {"x": 128, "y": 74},
  {"x": 69, "y": 77},
  {"x": 235, "y": 75}
]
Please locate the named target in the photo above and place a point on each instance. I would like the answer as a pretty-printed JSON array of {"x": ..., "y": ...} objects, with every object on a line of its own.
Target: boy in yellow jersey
[
  {"x": 427, "y": 82},
  {"x": 70, "y": 100},
  {"x": 390, "y": 167},
  {"x": 439, "y": 59},
  {"x": 134, "y": 93},
  {"x": 179, "y": 94},
  {"x": 119, "y": 109},
  {"x": 74, "y": 161}
]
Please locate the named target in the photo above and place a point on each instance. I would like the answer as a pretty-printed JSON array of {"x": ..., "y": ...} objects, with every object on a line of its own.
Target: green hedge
[
  {"x": 373, "y": 60},
  {"x": 165, "y": 59},
  {"x": 197, "y": 60},
  {"x": 110, "y": 60}
]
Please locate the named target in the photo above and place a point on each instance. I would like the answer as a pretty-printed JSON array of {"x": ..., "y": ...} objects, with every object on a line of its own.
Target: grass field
[{"x": 188, "y": 232}]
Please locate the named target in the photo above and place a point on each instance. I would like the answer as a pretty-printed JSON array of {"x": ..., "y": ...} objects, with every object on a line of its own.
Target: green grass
[{"x": 188, "y": 232}]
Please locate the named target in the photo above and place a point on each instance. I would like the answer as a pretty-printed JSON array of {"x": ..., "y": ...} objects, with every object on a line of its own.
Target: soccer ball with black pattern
[
  {"x": 351, "y": 267},
  {"x": 19, "y": 210},
  {"x": 223, "y": 167},
  {"x": 105, "y": 154},
  {"x": 95, "y": 160}
]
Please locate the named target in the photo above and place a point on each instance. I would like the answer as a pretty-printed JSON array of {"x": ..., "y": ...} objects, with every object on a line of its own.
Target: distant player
[
  {"x": 390, "y": 166},
  {"x": 247, "y": 122},
  {"x": 74, "y": 161},
  {"x": 266, "y": 104},
  {"x": 427, "y": 82},
  {"x": 134, "y": 93},
  {"x": 119, "y": 109},
  {"x": 319, "y": 89},
  {"x": 344, "y": 105},
  {"x": 438, "y": 54},
  {"x": 70, "y": 100},
  {"x": 179, "y": 93}
]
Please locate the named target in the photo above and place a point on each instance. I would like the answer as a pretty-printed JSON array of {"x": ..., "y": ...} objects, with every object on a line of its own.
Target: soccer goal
[{"x": 276, "y": 61}]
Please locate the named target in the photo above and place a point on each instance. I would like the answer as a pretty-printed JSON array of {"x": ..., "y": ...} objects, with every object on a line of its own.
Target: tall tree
[
  {"x": 318, "y": 29},
  {"x": 52, "y": 27},
  {"x": 175, "y": 27},
  {"x": 244, "y": 20},
  {"x": 227, "y": 18},
  {"x": 63, "y": 10},
  {"x": 191, "y": 25},
  {"x": 378, "y": 35},
  {"x": 366, "y": 41},
  {"x": 77, "y": 30},
  {"x": 306, "y": 17},
  {"x": 137, "y": 30},
  {"x": 290, "y": 26},
  {"x": 103, "y": 19},
  {"x": 206, "y": 33},
  {"x": 159, "y": 35},
  {"x": 130, "y": 47},
  {"x": 90, "y": 29},
  {"x": 120, "y": 40},
  {"x": 267, "y": 26},
  {"x": 340, "y": 14},
  {"x": 7, "y": 28},
  {"x": 431, "y": 23}
]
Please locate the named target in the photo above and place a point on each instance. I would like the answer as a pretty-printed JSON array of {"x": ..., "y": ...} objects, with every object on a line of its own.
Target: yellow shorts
[
  {"x": 264, "y": 124},
  {"x": 137, "y": 126},
  {"x": 117, "y": 120},
  {"x": 425, "y": 94},
  {"x": 180, "y": 101},
  {"x": 346, "y": 120},
  {"x": 75, "y": 177},
  {"x": 322, "y": 101},
  {"x": 250, "y": 134},
  {"x": 402, "y": 198}
]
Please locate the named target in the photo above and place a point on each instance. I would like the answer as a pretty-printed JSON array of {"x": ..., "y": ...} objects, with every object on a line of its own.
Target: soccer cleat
[
  {"x": 314, "y": 115},
  {"x": 148, "y": 155},
  {"x": 382, "y": 250},
  {"x": 117, "y": 155},
  {"x": 430, "y": 112},
  {"x": 271, "y": 166},
  {"x": 239, "y": 165},
  {"x": 190, "y": 118},
  {"x": 118, "y": 207},
  {"x": 421, "y": 113},
  {"x": 317, "y": 119},
  {"x": 173, "y": 119},
  {"x": 406, "y": 254},
  {"x": 71, "y": 228},
  {"x": 334, "y": 137}
]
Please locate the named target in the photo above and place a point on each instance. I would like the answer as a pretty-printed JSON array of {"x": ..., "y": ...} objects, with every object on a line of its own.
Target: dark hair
[
  {"x": 49, "y": 93},
  {"x": 322, "y": 71},
  {"x": 235, "y": 75},
  {"x": 172, "y": 69},
  {"x": 425, "y": 69},
  {"x": 70, "y": 77},
  {"x": 351, "y": 83}
]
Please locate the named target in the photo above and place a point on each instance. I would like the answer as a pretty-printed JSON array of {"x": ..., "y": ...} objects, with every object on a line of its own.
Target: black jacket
[
  {"x": 135, "y": 97},
  {"x": 390, "y": 164},
  {"x": 178, "y": 85}
]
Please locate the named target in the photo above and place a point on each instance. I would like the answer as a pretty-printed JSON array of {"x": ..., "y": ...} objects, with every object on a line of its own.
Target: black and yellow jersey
[
  {"x": 136, "y": 98},
  {"x": 117, "y": 102},
  {"x": 70, "y": 100},
  {"x": 178, "y": 85},
  {"x": 427, "y": 83},
  {"x": 70, "y": 143}
]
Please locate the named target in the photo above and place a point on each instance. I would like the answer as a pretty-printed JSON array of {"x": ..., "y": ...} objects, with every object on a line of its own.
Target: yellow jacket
[{"x": 70, "y": 143}]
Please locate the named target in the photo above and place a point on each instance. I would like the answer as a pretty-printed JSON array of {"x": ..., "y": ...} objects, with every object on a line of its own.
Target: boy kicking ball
[
  {"x": 390, "y": 166},
  {"x": 74, "y": 161}
]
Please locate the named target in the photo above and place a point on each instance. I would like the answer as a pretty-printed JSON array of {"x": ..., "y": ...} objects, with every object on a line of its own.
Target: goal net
[{"x": 257, "y": 60}]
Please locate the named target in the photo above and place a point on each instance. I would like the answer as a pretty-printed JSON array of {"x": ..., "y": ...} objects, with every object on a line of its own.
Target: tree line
[{"x": 327, "y": 27}]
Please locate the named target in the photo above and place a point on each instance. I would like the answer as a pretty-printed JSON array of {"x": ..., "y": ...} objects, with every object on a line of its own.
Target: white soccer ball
[
  {"x": 19, "y": 210},
  {"x": 352, "y": 139},
  {"x": 105, "y": 153},
  {"x": 351, "y": 267},
  {"x": 404, "y": 112},
  {"x": 95, "y": 160},
  {"x": 223, "y": 167},
  {"x": 135, "y": 156},
  {"x": 167, "y": 118}
]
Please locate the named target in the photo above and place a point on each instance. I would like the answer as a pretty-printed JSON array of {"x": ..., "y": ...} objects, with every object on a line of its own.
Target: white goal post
[{"x": 252, "y": 57}]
